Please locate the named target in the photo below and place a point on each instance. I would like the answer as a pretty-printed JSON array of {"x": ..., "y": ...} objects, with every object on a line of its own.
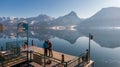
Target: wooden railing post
[
  {"x": 65, "y": 64},
  {"x": 30, "y": 56},
  {"x": 44, "y": 61},
  {"x": 78, "y": 61}
]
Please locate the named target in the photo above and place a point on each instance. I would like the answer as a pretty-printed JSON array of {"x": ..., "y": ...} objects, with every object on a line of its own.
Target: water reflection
[
  {"x": 75, "y": 42},
  {"x": 105, "y": 38},
  {"x": 68, "y": 35}
]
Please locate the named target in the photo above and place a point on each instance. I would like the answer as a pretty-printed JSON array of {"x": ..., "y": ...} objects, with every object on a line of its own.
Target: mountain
[
  {"x": 39, "y": 21},
  {"x": 106, "y": 17},
  {"x": 44, "y": 20},
  {"x": 40, "y": 18},
  {"x": 69, "y": 19},
  {"x": 9, "y": 21}
]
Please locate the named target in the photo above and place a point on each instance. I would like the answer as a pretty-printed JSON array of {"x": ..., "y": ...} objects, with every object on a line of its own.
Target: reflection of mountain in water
[
  {"x": 41, "y": 34},
  {"x": 105, "y": 38},
  {"x": 70, "y": 36}
]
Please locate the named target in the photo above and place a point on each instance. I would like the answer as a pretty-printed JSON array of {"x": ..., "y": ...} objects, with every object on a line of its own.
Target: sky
[{"x": 54, "y": 8}]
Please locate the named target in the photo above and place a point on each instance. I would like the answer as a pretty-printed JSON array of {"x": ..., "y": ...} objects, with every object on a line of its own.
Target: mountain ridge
[
  {"x": 106, "y": 17},
  {"x": 45, "y": 20},
  {"x": 68, "y": 19}
]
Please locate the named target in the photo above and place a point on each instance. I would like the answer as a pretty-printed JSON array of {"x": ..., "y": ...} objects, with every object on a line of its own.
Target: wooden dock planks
[{"x": 56, "y": 55}]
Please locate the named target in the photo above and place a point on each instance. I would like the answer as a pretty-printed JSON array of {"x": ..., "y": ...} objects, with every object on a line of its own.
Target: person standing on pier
[
  {"x": 63, "y": 59},
  {"x": 50, "y": 48},
  {"x": 45, "y": 46}
]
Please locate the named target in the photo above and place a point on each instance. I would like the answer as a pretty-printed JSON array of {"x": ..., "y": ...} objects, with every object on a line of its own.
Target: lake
[{"x": 105, "y": 45}]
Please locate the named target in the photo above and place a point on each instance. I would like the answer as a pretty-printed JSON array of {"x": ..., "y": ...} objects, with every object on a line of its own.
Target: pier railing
[
  {"x": 45, "y": 60},
  {"x": 53, "y": 62},
  {"x": 77, "y": 62}
]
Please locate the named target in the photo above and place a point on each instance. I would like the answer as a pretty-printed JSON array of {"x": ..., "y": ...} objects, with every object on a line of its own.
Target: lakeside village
[{"x": 30, "y": 55}]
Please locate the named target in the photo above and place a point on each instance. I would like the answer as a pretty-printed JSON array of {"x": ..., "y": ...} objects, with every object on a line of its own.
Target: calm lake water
[{"x": 105, "y": 46}]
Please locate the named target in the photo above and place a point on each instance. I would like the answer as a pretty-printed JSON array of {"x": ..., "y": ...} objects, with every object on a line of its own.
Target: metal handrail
[
  {"x": 82, "y": 54},
  {"x": 51, "y": 58},
  {"x": 76, "y": 59},
  {"x": 57, "y": 60}
]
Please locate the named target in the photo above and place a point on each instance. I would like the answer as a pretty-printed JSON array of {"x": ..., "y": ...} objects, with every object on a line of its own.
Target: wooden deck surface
[{"x": 56, "y": 55}]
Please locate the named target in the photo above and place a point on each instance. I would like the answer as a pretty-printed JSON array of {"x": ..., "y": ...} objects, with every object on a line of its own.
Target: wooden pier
[
  {"x": 56, "y": 54},
  {"x": 57, "y": 57},
  {"x": 37, "y": 59}
]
